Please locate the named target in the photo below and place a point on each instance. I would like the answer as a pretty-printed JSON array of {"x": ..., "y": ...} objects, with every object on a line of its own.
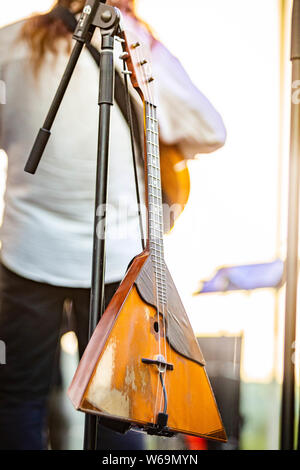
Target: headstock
[{"x": 139, "y": 64}]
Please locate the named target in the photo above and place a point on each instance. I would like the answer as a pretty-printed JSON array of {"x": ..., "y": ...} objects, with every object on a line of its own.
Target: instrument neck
[{"x": 154, "y": 196}]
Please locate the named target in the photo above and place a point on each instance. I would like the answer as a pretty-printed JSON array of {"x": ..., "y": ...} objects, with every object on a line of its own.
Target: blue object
[{"x": 247, "y": 277}]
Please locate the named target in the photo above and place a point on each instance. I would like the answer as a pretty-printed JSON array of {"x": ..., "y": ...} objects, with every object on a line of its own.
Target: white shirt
[{"x": 47, "y": 231}]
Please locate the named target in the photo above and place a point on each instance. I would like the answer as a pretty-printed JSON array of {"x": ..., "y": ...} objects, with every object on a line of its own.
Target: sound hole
[{"x": 156, "y": 327}]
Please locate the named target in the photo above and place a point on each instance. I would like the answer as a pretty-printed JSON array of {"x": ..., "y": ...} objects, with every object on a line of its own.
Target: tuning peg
[
  {"x": 143, "y": 62},
  {"x": 124, "y": 56},
  {"x": 150, "y": 79},
  {"x": 117, "y": 38},
  {"x": 135, "y": 45}
]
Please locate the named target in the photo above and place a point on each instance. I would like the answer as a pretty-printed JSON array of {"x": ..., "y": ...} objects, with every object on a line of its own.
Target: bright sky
[{"x": 231, "y": 51}]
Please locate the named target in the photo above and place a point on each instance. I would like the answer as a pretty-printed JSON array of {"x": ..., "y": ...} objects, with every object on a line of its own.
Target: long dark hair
[{"x": 43, "y": 32}]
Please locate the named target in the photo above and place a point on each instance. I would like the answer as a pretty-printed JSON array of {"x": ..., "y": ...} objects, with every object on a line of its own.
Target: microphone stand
[
  {"x": 95, "y": 15},
  {"x": 288, "y": 387}
]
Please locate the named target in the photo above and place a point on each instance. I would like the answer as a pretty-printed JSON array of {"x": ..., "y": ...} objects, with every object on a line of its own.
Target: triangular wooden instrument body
[{"x": 112, "y": 380}]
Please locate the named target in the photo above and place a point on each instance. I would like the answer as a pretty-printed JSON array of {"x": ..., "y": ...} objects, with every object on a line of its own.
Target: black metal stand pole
[
  {"x": 106, "y": 99},
  {"x": 107, "y": 18},
  {"x": 288, "y": 387}
]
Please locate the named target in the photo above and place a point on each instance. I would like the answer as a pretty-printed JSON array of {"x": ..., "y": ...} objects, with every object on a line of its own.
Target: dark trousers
[{"x": 30, "y": 326}]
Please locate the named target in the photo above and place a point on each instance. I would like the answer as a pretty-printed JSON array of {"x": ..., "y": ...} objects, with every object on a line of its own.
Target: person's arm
[{"x": 186, "y": 116}]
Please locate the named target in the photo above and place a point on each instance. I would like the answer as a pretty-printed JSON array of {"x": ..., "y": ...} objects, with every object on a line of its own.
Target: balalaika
[{"x": 143, "y": 365}]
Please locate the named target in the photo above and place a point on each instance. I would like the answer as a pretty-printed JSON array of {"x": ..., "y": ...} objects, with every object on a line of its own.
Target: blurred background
[{"x": 237, "y": 54}]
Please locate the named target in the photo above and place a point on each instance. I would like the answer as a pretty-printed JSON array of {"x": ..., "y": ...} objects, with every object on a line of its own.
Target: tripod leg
[{"x": 44, "y": 133}]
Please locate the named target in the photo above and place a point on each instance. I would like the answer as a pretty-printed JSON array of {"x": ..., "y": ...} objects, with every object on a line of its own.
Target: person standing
[{"x": 47, "y": 231}]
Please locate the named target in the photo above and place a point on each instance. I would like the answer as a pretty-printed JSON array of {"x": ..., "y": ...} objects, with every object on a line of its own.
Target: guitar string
[
  {"x": 159, "y": 270},
  {"x": 151, "y": 234},
  {"x": 157, "y": 255},
  {"x": 139, "y": 61},
  {"x": 162, "y": 269},
  {"x": 150, "y": 204}
]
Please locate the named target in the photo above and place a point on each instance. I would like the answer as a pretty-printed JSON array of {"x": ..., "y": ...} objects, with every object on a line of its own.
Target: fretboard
[{"x": 155, "y": 210}]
